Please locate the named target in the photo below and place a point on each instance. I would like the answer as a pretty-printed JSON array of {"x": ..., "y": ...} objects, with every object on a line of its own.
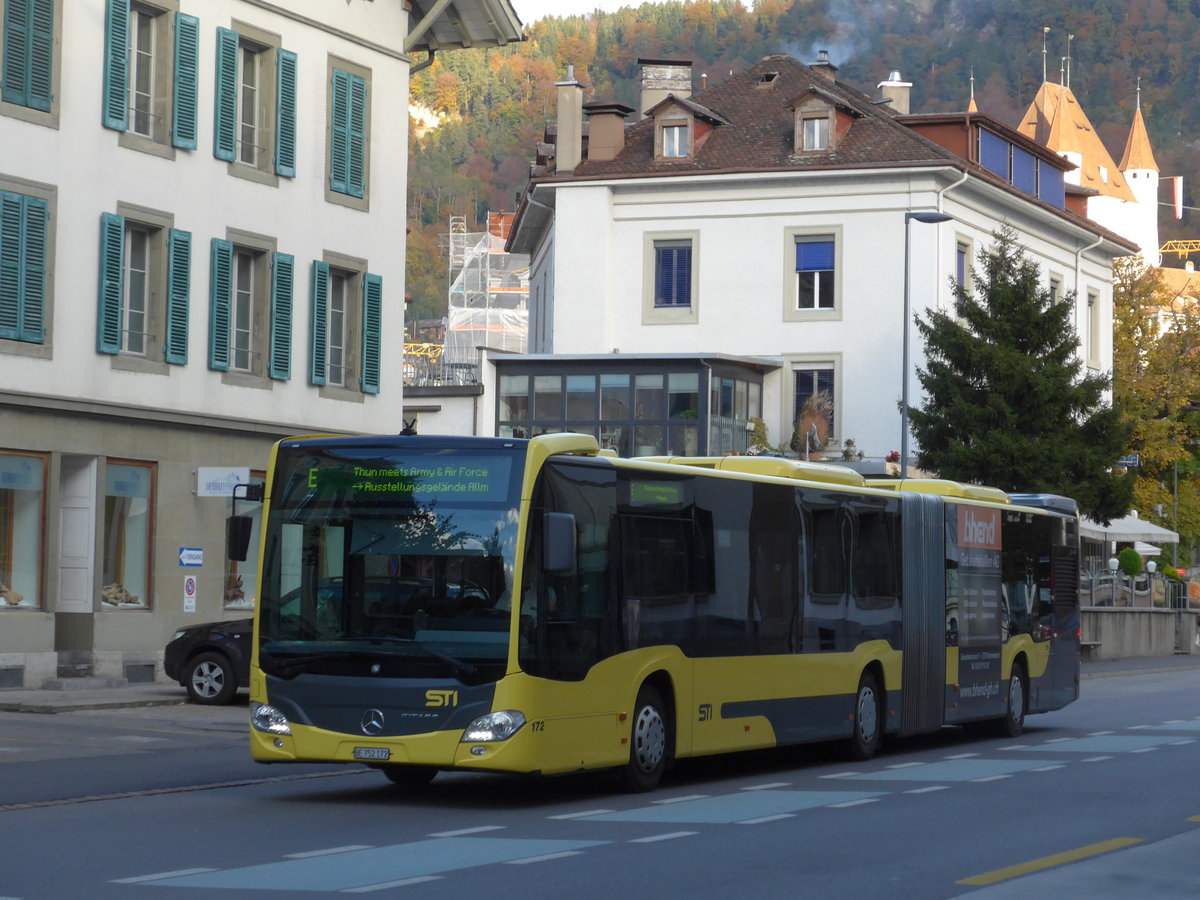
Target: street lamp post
[{"x": 927, "y": 218}]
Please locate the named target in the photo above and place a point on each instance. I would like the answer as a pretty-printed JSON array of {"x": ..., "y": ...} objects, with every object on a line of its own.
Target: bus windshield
[{"x": 390, "y": 560}]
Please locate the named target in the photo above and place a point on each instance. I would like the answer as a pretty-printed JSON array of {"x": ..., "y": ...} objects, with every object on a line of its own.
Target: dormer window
[
  {"x": 814, "y": 133},
  {"x": 819, "y": 122},
  {"x": 675, "y": 140}
]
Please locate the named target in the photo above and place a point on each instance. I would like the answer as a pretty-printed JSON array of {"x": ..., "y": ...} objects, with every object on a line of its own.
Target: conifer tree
[{"x": 1007, "y": 404}]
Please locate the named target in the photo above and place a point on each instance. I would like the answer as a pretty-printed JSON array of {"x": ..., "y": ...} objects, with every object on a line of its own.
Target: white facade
[
  {"x": 220, "y": 185},
  {"x": 593, "y": 267}
]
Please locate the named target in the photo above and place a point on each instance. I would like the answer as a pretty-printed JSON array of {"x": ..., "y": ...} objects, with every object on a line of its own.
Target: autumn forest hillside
[{"x": 490, "y": 107}]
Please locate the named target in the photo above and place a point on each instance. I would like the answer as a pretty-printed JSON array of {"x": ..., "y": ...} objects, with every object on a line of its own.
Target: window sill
[
  {"x": 26, "y": 348},
  {"x": 812, "y": 315},
  {"x": 334, "y": 392},
  {"x": 142, "y": 144},
  {"x": 29, "y": 114},
  {"x": 671, "y": 315},
  {"x": 252, "y": 173},
  {"x": 246, "y": 380},
  {"x": 125, "y": 363}
]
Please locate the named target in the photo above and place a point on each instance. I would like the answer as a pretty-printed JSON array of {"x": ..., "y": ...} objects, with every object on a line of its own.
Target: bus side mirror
[
  {"x": 558, "y": 542},
  {"x": 237, "y": 537}
]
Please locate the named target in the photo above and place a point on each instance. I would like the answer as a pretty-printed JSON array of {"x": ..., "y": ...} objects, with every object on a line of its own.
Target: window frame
[
  {"x": 268, "y": 52},
  {"x": 151, "y": 524},
  {"x": 263, "y": 255},
  {"x": 807, "y": 108},
  {"x": 964, "y": 253},
  {"x": 795, "y": 363},
  {"x": 348, "y": 196},
  {"x": 25, "y": 346},
  {"x": 792, "y": 311},
  {"x": 362, "y": 351},
  {"x": 1094, "y": 330},
  {"x": 652, "y": 313},
  {"x": 47, "y": 117}
]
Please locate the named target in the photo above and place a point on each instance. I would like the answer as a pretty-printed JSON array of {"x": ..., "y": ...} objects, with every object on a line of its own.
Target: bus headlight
[
  {"x": 269, "y": 719},
  {"x": 497, "y": 726}
]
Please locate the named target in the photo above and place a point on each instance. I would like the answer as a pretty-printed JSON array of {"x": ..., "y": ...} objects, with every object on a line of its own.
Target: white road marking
[
  {"x": 404, "y": 882},
  {"x": 1096, "y": 759},
  {"x": 582, "y": 815},
  {"x": 854, "y": 803},
  {"x": 841, "y": 775},
  {"x": 767, "y": 787},
  {"x": 663, "y": 837},
  {"x": 544, "y": 858},
  {"x": 907, "y": 765},
  {"x": 1016, "y": 747},
  {"x": 329, "y": 852},
  {"x": 1144, "y": 750},
  {"x": 670, "y": 800},
  {"x": 962, "y": 756},
  {"x": 160, "y": 875},
  {"x": 990, "y": 778},
  {"x": 477, "y": 830},
  {"x": 759, "y": 821},
  {"x": 1047, "y": 768},
  {"x": 926, "y": 790}
]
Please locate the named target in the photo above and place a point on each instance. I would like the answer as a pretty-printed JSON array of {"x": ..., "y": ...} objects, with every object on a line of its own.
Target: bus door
[{"x": 923, "y": 613}]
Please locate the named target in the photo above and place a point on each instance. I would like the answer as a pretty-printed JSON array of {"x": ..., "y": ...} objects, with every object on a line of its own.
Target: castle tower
[{"x": 1141, "y": 173}]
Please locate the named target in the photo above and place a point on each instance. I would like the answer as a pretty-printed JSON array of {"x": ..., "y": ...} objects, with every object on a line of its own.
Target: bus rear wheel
[
  {"x": 868, "y": 719},
  {"x": 649, "y": 743},
  {"x": 410, "y": 777}
]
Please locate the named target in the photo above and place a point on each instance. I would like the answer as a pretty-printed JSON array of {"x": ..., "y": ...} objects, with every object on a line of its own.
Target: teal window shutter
[
  {"x": 221, "y": 301},
  {"x": 279, "y": 365},
  {"x": 28, "y": 53},
  {"x": 285, "y": 125},
  {"x": 179, "y": 277},
  {"x": 116, "y": 65},
  {"x": 372, "y": 332},
  {"x": 225, "y": 113},
  {"x": 356, "y": 159},
  {"x": 23, "y": 231},
  {"x": 112, "y": 283},
  {"x": 339, "y": 135},
  {"x": 187, "y": 72},
  {"x": 320, "y": 321}
]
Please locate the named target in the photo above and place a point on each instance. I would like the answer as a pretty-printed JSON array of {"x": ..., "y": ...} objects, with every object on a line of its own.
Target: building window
[
  {"x": 1056, "y": 289},
  {"x": 22, "y": 525},
  {"x": 815, "y": 133},
  {"x": 815, "y": 273},
  {"x": 32, "y": 29},
  {"x": 145, "y": 285},
  {"x": 128, "y": 526},
  {"x": 675, "y": 141},
  {"x": 349, "y": 131},
  {"x": 672, "y": 273},
  {"x": 24, "y": 248},
  {"x": 241, "y": 577},
  {"x": 347, "y": 305},
  {"x": 150, "y": 75},
  {"x": 255, "y": 113},
  {"x": 814, "y": 407},
  {"x": 250, "y": 333},
  {"x": 962, "y": 274},
  {"x": 1093, "y": 328}
]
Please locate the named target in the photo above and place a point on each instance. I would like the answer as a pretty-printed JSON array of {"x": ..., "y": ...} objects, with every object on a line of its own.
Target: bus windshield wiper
[{"x": 291, "y": 666}]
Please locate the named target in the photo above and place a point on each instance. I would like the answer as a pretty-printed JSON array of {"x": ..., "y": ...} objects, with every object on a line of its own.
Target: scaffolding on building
[{"x": 488, "y": 305}]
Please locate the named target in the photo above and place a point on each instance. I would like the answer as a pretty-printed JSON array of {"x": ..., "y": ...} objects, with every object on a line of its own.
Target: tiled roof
[
  {"x": 1056, "y": 119},
  {"x": 1138, "y": 154},
  {"x": 761, "y": 131}
]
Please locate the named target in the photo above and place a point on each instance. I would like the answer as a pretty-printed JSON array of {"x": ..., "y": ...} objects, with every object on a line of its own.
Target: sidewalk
[{"x": 73, "y": 698}]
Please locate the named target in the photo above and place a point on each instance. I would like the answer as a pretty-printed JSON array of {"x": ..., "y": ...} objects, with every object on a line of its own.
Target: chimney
[
  {"x": 897, "y": 91},
  {"x": 823, "y": 66},
  {"x": 661, "y": 77},
  {"x": 704, "y": 81},
  {"x": 606, "y": 129},
  {"x": 568, "y": 148}
]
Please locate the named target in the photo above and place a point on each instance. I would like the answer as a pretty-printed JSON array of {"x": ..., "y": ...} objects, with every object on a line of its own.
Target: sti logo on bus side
[
  {"x": 979, "y": 527},
  {"x": 441, "y": 698}
]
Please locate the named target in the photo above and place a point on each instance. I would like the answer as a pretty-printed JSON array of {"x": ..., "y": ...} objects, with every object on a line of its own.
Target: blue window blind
[
  {"x": 993, "y": 153},
  {"x": 115, "y": 113},
  {"x": 347, "y": 163},
  {"x": 809, "y": 382},
  {"x": 1024, "y": 171},
  {"x": 179, "y": 288},
  {"x": 187, "y": 69},
  {"x": 225, "y": 110},
  {"x": 285, "y": 123},
  {"x": 28, "y": 52},
  {"x": 814, "y": 256},
  {"x": 23, "y": 237},
  {"x": 280, "y": 354},
  {"x": 1051, "y": 187},
  {"x": 320, "y": 323},
  {"x": 672, "y": 273}
]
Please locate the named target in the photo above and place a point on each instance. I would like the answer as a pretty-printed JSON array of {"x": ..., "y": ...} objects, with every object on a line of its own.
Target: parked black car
[{"x": 211, "y": 660}]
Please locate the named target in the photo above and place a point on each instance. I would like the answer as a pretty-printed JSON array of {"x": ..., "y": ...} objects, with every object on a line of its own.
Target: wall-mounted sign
[
  {"x": 216, "y": 481},
  {"x": 191, "y": 556}
]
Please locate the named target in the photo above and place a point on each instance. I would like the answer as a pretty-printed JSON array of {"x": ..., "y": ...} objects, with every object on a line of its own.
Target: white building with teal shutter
[{"x": 202, "y": 218}]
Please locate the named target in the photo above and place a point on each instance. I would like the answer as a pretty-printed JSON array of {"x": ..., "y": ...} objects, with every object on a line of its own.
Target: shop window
[
  {"x": 22, "y": 524},
  {"x": 128, "y": 504}
]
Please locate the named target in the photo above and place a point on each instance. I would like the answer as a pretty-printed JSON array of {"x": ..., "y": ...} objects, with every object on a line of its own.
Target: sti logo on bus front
[
  {"x": 441, "y": 698},
  {"x": 978, "y": 527}
]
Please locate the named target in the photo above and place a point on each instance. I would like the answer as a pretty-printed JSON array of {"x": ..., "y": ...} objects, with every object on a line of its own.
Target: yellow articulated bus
[{"x": 542, "y": 606}]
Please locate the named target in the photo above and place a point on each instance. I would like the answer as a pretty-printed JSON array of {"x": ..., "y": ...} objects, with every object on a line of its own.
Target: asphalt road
[{"x": 1097, "y": 800}]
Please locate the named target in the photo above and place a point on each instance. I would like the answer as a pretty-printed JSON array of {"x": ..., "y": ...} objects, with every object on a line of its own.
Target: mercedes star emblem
[{"x": 372, "y": 721}]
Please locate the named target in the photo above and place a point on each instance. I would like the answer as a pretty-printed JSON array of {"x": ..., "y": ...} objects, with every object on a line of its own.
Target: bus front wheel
[
  {"x": 868, "y": 719},
  {"x": 649, "y": 742}
]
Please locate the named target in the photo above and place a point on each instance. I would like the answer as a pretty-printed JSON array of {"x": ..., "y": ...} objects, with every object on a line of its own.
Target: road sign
[
  {"x": 189, "y": 593},
  {"x": 191, "y": 556},
  {"x": 1132, "y": 461}
]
